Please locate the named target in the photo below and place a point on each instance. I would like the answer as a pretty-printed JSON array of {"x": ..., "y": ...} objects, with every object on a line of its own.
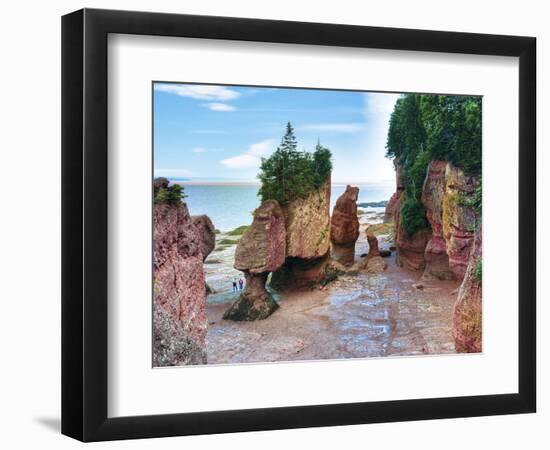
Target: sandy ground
[{"x": 366, "y": 315}]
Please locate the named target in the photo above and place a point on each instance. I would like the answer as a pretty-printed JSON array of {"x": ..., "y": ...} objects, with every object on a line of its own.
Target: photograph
[{"x": 301, "y": 224}]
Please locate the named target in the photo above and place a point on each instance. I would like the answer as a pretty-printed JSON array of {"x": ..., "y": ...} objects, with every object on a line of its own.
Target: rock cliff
[
  {"x": 433, "y": 192},
  {"x": 307, "y": 223},
  {"x": 452, "y": 222},
  {"x": 394, "y": 202},
  {"x": 207, "y": 233},
  {"x": 410, "y": 249},
  {"x": 344, "y": 227},
  {"x": 179, "y": 320},
  {"x": 261, "y": 250},
  {"x": 467, "y": 323},
  {"x": 459, "y": 220}
]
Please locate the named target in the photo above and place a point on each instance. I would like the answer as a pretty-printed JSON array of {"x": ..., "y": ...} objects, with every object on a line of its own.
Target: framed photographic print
[{"x": 273, "y": 224}]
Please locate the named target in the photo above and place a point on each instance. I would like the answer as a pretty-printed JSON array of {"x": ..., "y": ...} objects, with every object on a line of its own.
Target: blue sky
[{"x": 208, "y": 131}]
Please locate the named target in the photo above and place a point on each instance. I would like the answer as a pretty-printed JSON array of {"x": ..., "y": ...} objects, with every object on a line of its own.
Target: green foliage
[
  {"x": 433, "y": 127},
  {"x": 413, "y": 215},
  {"x": 228, "y": 242},
  {"x": 238, "y": 231},
  {"x": 171, "y": 195},
  {"x": 322, "y": 236},
  {"x": 289, "y": 174},
  {"x": 473, "y": 201},
  {"x": 406, "y": 132},
  {"x": 453, "y": 126},
  {"x": 381, "y": 229},
  {"x": 478, "y": 270},
  {"x": 322, "y": 164}
]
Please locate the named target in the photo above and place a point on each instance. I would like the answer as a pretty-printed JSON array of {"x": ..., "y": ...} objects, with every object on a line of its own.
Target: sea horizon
[
  {"x": 255, "y": 182},
  {"x": 230, "y": 203}
]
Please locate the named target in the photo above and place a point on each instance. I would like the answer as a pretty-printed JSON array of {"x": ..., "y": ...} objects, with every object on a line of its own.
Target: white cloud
[
  {"x": 252, "y": 157},
  {"x": 377, "y": 112},
  {"x": 380, "y": 103},
  {"x": 220, "y": 107},
  {"x": 334, "y": 127},
  {"x": 199, "y": 92},
  {"x": 198, "y": 150}
]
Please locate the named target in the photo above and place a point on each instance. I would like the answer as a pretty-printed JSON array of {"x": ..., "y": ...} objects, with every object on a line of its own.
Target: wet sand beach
[{"x": 356, "y": 316}]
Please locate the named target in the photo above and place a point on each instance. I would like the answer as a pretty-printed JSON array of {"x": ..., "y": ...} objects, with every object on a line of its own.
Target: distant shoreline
[
  {"x": 257, "y": 183},
  {"x": 216, "y": 183}
]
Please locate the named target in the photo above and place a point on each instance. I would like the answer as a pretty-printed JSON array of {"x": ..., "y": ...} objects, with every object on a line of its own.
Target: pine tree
[
  {"x": 322, "y": 163},
  {"x": 289, "y": 142},
  {"x": 289, "y": 174}
]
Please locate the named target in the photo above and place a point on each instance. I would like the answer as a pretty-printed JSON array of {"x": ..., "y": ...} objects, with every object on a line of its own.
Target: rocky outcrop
[
  {"x": 410, "y": 249},
  {"x": 344, "y": 227},
  {"x": 159, "y": 183},
  {"x": 435, "y": 255},
  {"x": 179, "y": 325},
  {"x": 207, "y": 234},
  {"x": 261, "y": 250},
  {"x": 394, "y": 202},
  {"x": 373, "y": 245},
  {"x": 172, "y": 345},
  {"x": 307, "y": 222},
  {"x": 459, "y": 220},
  {"x": 374, "y": 262},
  {"x": 467, "y": 318},
  {"x": 392, "y": 206},
  {"x": 451, "y": 221}
]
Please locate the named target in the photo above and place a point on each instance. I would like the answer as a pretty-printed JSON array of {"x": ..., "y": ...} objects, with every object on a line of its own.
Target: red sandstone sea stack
[
  {"x": 207, "y": 234},
  {"x": 261, "y": 250},
  {"x": 307, "y": 222},
  {"x": 344, "y": 227}
]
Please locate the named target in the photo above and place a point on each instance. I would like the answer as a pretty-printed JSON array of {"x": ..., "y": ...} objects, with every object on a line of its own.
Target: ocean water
[{"x": 230, "y": 206}]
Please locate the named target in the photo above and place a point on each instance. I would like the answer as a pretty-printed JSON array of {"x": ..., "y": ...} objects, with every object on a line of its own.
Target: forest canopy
[
  {"x": 432, "y": 127},
  {"x": 289, "y": 173}
]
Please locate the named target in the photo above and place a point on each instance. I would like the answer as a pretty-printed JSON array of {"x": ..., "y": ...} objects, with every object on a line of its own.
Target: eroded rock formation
[
  {"x": 261, "y": 250},
  {"x": 160, "y": 182},
  {"x": 467, "y": 323},
  {"x": 207, "y": 234},
  {"x": 374, "y": 262},
  {"x": 373, "y": 245},
  {"x": 459, "y": 220},
  {"x": 435, "y": 255},
  {"x": 410, "y": 249},
  {"x": 179, "y": 325},
  {"x": 452, "y": 222},
  {"x": 344, "y": 227},
  {"x": 307, "y": 222},
  {"x": 394, "y": 202}
]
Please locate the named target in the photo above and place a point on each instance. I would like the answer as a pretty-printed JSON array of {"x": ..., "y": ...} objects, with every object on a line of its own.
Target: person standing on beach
[
  {"x": 235, "y": 285},
  {"x": 241, "y": 282}
]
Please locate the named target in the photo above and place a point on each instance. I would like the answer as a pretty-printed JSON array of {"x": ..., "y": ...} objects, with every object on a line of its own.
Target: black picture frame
[{"x": 84, "y": 224}]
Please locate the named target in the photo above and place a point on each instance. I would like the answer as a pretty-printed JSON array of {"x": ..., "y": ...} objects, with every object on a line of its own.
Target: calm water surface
[{"x": 230, "y": 206}]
